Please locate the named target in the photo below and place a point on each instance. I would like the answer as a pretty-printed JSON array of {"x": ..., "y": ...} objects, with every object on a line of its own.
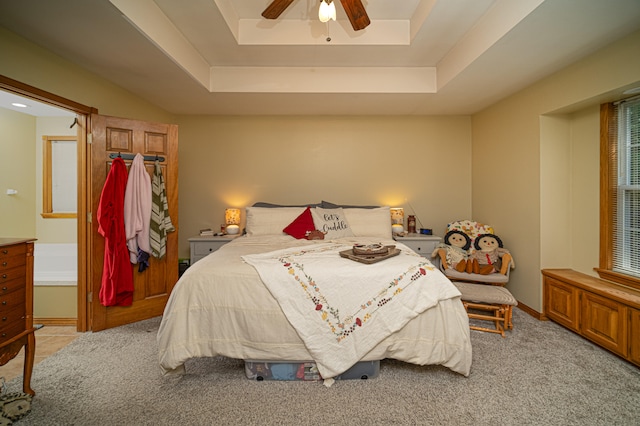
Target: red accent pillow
[{"x": 301, "y": 225}]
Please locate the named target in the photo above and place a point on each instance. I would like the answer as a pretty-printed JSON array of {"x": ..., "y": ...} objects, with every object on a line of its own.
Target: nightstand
[
  {"x": 202, "y": 246},
  {"x": 421, "y": 244}
]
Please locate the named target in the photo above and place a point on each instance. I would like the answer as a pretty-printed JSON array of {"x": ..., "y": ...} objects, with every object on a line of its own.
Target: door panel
[{"x": 112, "y": 135}]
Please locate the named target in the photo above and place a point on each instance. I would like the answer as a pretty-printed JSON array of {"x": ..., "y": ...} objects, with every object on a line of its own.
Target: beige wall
[
  {"x": 55, "y": 302},
  {"x": 40, "y": 68},
  {"x": 17, "y": 171},
  {"x": 532, "y": 157},
  {"x": 585, "y": 189},
  {"x": 544, "y": 186},
  {"x": 236, "y": 161}
]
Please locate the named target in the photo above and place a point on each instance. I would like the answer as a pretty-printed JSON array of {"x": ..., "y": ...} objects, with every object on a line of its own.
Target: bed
[{"x": 269, "y": 295}]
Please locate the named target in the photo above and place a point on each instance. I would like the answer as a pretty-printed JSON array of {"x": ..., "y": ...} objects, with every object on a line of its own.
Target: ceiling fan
[{"x": 355, "y": 12}]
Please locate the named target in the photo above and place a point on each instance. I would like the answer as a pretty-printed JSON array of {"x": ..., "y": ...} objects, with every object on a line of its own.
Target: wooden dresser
[{"x": 16, "y": 304}]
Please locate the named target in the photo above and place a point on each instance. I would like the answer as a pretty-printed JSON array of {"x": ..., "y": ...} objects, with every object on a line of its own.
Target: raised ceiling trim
[
  {"x": 323, "y": 80},
  {"x": 290, "y": 32},
  {"x": 151, "y": 21}
]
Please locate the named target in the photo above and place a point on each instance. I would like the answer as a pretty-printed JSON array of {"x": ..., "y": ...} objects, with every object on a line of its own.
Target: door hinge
[
  {"x": 90, "y": 297},
  {"x": 89, "y": 217},
  {"x": 89, "y": 137}
]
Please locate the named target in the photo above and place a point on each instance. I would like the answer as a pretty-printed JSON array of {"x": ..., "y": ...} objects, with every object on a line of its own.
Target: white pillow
[
  {"x": 332, "y": 222},
  {"x": 270, "y": 221},
  {"x": 370, "y": 222}
]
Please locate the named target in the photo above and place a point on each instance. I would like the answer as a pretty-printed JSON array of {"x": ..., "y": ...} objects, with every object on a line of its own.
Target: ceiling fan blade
[
  {"x": 356, "y": 13},
  {"x": 276, "y": 8}
]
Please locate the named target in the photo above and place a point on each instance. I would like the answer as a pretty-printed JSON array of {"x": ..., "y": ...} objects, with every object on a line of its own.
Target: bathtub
[{"x": 55, "y": 264}]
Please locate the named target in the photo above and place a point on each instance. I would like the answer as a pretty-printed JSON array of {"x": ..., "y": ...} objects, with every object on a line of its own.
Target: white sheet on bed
[{"x": 221, "y": 307}]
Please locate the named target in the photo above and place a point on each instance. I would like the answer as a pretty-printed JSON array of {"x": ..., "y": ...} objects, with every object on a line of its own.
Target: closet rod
[{"x": 132, "y": 156}]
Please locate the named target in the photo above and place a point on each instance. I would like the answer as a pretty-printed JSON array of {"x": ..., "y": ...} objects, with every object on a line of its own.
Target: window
[
  {"x": 620, "y": 193},
  {"x": 59, "y": 177}
]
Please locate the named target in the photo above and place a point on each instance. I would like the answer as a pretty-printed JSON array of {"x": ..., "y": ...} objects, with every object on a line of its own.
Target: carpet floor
[{"x": 540, "y": 374}]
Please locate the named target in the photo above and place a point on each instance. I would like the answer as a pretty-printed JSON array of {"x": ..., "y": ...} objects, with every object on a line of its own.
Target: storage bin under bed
[{"x": 305, "y": 370}]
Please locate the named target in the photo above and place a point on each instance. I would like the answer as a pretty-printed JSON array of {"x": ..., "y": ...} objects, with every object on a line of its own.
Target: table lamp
[
  {"x": 232, "y": 219},
  {"x": 397, "y": 220}
]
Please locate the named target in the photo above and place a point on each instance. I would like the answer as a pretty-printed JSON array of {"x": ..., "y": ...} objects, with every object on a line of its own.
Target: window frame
[
  {"x": 608, "y": 197},
  {"x": 47, "y": 179}
]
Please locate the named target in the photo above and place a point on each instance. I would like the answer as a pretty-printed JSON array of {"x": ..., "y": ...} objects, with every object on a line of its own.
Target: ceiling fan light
[{"x": 327, "y": 11}]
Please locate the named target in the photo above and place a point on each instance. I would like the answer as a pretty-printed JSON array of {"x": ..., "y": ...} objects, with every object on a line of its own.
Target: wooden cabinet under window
[
  {"x": 16, "y": 304},
  {"x": 603, "y": 312},
  {"x": 634, "y": 345}
]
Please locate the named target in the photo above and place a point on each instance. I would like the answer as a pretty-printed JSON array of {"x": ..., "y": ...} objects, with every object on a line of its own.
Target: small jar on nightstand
[
  {"x": 202, "y": 246},
  {"x": 421, "y": 244}
]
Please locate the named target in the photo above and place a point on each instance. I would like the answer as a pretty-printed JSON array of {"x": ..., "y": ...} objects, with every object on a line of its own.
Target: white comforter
[{"x": 220, "y": 306}]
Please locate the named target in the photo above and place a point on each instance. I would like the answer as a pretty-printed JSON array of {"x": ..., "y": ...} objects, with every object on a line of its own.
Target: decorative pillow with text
[{"x": 332, "y": 222}]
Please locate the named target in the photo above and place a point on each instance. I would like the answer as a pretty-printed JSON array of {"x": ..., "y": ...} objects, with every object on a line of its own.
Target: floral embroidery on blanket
[
  {"x": 343, "y": 327},
  {"x": 342, "y": 309}
]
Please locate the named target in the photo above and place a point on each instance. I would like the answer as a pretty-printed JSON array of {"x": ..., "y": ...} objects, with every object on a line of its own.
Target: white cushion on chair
[
  {"x": 482, "y": 293},
  {"x": 493, "y": 278}
]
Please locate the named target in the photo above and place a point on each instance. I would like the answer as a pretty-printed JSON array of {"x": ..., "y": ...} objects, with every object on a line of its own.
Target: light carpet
[{"x": 540, "y": 374}]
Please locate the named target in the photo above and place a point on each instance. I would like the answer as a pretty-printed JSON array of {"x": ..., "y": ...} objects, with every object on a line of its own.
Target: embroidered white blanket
[{"x": 340, "y": 308}]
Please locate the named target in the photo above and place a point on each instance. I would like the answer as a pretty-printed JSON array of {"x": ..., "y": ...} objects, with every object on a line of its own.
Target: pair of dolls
[{"x": 485, "y": 260}]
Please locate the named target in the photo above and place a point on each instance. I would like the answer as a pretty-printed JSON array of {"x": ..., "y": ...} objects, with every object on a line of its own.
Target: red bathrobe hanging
[{"x": 117, "y": 273}]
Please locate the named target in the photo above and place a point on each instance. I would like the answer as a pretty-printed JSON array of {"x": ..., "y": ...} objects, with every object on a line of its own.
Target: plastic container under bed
[{"x": 305, "y": 371}]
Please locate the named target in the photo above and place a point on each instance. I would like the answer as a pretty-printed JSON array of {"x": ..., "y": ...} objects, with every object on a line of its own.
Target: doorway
[
  {"x": 111, "y": 136},
  {"x": 77, "y": 117}
]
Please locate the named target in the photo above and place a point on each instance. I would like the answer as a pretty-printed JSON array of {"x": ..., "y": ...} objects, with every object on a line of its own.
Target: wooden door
[{"x": 111, "y": 135}]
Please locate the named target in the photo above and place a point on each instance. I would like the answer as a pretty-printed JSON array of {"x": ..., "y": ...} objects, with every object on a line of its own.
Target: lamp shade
[
  {"x": 397, "y": 215},
  {"x": 327, "y": 11},
  {"x": 232, "y": 219},
  {"x": 397, "y": 220}
]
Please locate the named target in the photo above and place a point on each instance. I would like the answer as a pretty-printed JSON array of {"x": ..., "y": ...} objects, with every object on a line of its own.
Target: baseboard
[
  {"x": 537, "y": 315},
  {"x": 56, "y": 321}
]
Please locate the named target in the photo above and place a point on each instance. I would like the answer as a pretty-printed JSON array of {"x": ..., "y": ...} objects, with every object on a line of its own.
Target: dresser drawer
[
  {"x": 11, "y": 299},
  {"x": 12, "y": 274},
  {"x": 423, "y": 245},
  {"x": 12, "y": 316},
  {"x": 14, "y": 250},
  {"x": 203, "y": 248},
  {"x": 12, "y": 330},
  {"x": 7, "y": 287},
  {"x": 9, "y": 262}
]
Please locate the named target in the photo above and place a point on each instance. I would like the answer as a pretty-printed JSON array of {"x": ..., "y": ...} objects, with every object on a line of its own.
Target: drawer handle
[
  {"x": 5, "y": 288},
  {"x": 4, "y": 276},
  {"x": 4, "y": 302},
  {"x": 5, "y": 251},
  {"x": 4, "y": 334},
  {"x": 4, "y": 318},
  {"x": 4, "y": 263}
]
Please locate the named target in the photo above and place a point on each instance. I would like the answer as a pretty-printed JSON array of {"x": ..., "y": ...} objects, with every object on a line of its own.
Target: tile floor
[{"x": 49, "y": 340}]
